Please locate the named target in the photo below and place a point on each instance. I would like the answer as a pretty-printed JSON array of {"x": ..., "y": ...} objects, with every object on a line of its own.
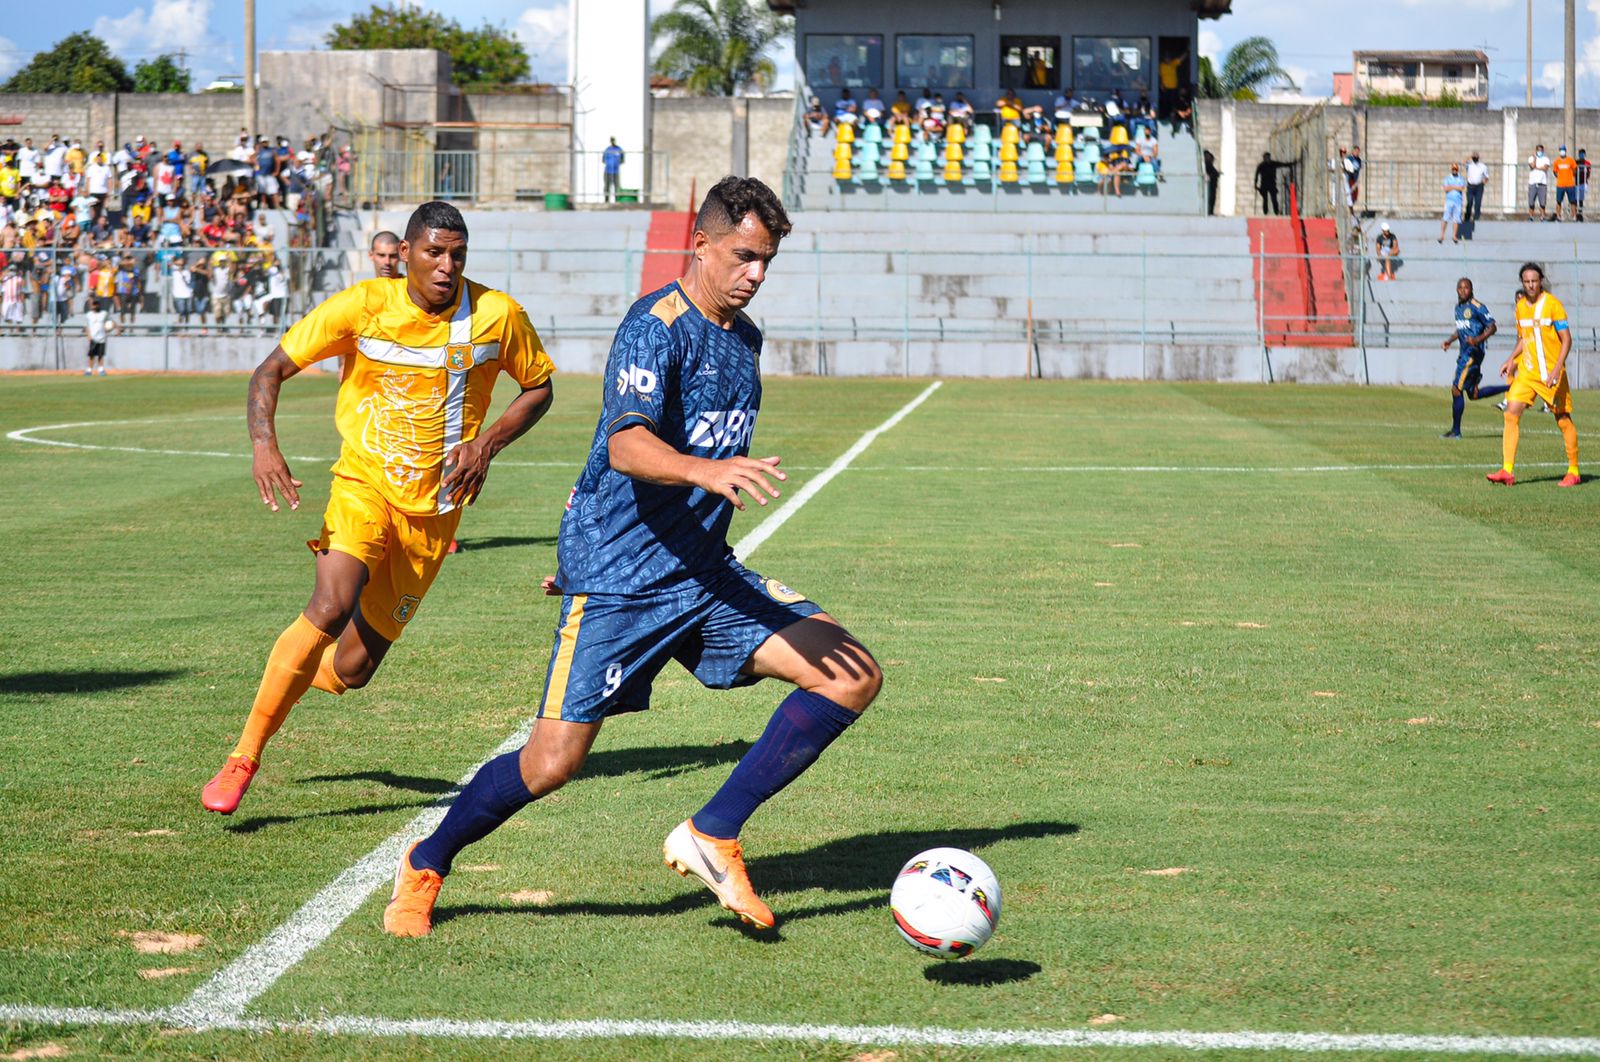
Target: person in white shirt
[
  {"x": 28, "y": 160},
  {"x": 97, "y": 326},
  {"x": 55, "y": 159},
  {"x": 1538, "y": 183},
  {"x": 122, "y": 159},
  {"x": 241, "y": 152},
  {"x": 97, "y": 179},
  {"x": 1477, "y": 179},
  {"x": 182, "y": 290}
]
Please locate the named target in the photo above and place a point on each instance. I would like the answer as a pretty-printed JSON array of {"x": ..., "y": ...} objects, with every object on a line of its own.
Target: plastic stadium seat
[
  {"x": 1035, "y": 172},
  {"x": 976, "y": 151},
  {"x": 873, "y": 133},
  {"x": 841, "y": 168},
  {"x": 952, "y": 171},
  {"x": 842, "y": 151},
  {"x": 957, "y": 133},
  {"x": 1090, "y": 133},
  {"x": 1065, "y": 174},
  {"x": 925, "y": 152},
  {"x": 868, "y": 170},
  {"x": 1008, "y": 170},
  {"x": 980, "y": 134},
  {"x": 869, "y": 152},
  {"x": 1119, "y": 134},
  {"x": 899, "y": 151},
  {"x": 1008, "y": 152},
  {"x": 1034, "y": 152},
  {"x": 902, "y": 134},
  {"x": 1145, "y": 176},
  {"x": 897, "y": 169},
  {"x": 1091, "y": 153},
  {"x": 980, "y": 170},
  {"x": 845, "y": 133},
  {"x": 952, "y": 152},
  {"x": 1083, "y": 171},
  {"x": 924, "y": 170},
  {"x": 1064, "y": 151},
  {"x": 1010, "y": 134}
]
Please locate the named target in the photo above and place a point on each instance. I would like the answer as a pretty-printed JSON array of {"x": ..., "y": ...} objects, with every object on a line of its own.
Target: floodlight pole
[
  {"x": 1530, "y": 53},
  {"x": 250, "y": 124},
  {"x": 1569, "y": 95}
]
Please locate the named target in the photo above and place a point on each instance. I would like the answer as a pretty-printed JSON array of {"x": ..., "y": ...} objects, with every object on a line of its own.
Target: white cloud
[
  {"x": 1211, "y": 46},
  {"x": 543, "y": 32},
  {"x": 12, "y": 58},
  {"x": 1458, "y": 5},
  {"x": 168, "y": 27}
]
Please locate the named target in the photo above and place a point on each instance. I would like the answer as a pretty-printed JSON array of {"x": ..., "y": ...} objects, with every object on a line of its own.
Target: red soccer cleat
[
  {"x": 1571, "y": 479},
  {"x": 455, "y": 547},
  {"x": 1501, "y": 477},
  {"x": 223, "y": 793}
]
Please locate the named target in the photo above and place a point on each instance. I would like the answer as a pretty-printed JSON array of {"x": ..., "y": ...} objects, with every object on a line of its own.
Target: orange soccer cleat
[
  {"x": 1571, "y": 479},
  {"x": 410, "y": 910},
  {"x": 223, "y": 793},
  {"x": 1501, "y": 477},
  {"x": 720, "y": 864}
]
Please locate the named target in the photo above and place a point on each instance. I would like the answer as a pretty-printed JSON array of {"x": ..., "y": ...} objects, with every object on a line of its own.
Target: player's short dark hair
[
  {"x": 731, "y": 198},
  {"x": 388, "y": 237},
  {"x": 435, "y": 214}
]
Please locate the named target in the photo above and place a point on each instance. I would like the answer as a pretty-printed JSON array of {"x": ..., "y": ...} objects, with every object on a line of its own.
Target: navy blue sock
[
  {"x": 1490, "y": 392},
  {"x": 495, "y": 794},
  {"x": 1457, "y": 404},
  {"x": 804, "y": 725}
]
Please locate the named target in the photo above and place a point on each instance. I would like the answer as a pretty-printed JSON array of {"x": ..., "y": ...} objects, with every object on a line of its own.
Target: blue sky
[{"x": 1314, "y": 37}]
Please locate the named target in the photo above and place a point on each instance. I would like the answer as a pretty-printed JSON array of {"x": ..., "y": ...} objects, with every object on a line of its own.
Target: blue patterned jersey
[
  {"x": 1472, "y": 320},
  {"x": 697, "y": 387}
]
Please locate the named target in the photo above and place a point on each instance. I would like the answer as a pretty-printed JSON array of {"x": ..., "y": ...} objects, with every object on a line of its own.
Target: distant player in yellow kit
[
  {"x": 1537, "y": 368},
  {"x": 425, "y": 353}
]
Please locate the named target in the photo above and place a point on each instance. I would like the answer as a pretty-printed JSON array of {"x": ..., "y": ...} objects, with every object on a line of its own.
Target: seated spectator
[
  {"x": 900, "y": 110},
  {"x": 844, "y": 109},
  {"x": 873, "y": 107},
  {"x": 1183, "y": 113},
  {"x": 1036, "y": 127},
  {"x": 1065, "y": 103},
  {"x": 1008, "y": 108},
  {"x": 924, "y": 101},
  {"x": 961, "y": 111},
  {"x": 816, "y": 119},
  {"x": 1147, "y": 148},
  {"x": 1118, "y": 164},
  {"x": 1143, "y": 115},
  {"x": 934, "y": 115}
]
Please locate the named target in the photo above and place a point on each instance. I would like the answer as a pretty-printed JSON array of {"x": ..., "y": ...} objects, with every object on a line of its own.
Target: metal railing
[
  {"x": 499, "y": 177},
  {"x": 1410, "y": 189}
]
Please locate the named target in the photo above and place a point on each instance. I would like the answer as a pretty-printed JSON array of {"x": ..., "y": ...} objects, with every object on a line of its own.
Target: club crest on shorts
[
  {"x": 782, "y": 594},
  {"x": 458, "y": 357},
  {"x": 406, "y": 608}
]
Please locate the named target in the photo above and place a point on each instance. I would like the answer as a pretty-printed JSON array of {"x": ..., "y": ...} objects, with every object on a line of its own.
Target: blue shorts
[
  {"x": 610, "y": 647},
  {"x": 1469, "y": 372},
  {"x": 1452, "y": 212}
]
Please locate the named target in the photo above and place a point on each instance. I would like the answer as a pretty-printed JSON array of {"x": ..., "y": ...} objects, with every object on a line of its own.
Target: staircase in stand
[{"x": 1300, "y": 282}]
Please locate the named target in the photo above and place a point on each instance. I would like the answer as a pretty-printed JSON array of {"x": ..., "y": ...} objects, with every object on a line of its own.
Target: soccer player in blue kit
[
  {"x": 646, "y": 575},
  {"x": 1474, "y": 325}
]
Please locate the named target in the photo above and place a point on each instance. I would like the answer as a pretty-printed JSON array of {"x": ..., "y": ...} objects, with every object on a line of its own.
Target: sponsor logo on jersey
[
  {"x": 458, "y": 357},
  {"x": 639, "y": 381},
  {"x": 406, "y": 608},
  {"x": 782, "y": 594},
  {"x": 723, "y": 427}
]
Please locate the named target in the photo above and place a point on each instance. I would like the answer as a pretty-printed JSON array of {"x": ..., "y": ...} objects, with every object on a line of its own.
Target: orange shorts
[
  {"x": 1525, "y": 389},
  {"x": 402, "y": 551}
]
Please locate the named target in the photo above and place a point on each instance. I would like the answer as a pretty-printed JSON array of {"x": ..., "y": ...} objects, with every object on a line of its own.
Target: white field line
[
  {"x": 865, "y": 1035},
  {"x": 763, "y": 531},
  {"x": 226, "y": 995}
]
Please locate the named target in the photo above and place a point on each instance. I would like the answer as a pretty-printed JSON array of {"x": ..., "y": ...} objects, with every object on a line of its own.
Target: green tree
[
  {"x": 1250, "y": 67},
  {"x": 161, "y": 74},
  {"x": 718, "y": 47},
  {"x": 79, "y": 63},
  {"x": 489, "y": 55}
]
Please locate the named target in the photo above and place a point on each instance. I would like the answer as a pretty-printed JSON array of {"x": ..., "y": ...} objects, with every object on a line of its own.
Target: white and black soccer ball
[{"x": 946, "y": 902}]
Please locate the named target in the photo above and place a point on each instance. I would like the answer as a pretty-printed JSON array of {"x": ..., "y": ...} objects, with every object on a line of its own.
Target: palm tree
[
  {"x": 1249, "y": 67},
  {"x": 718, "y": 47}
]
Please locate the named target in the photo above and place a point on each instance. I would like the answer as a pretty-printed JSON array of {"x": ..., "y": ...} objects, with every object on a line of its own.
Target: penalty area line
[
  {"x": 866, "y": 1035},
  {"x": 229, "y": 991}
]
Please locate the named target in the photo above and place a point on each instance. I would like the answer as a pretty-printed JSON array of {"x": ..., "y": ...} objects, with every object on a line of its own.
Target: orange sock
[
  {"x": 1508, "y": 441},
  {"x": 1569, "y": 435},
  {"x": 290, "y": 668},
  {"x": 326, "y": 678}
]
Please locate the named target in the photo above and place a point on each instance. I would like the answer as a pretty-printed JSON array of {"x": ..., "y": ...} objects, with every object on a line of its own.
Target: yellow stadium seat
[
  {"x": 957, "y": 133},
  {"x": 841, "y": 151},
  {"x": 1064, "y": 151},
  {"x": 1119, "y": 134},
  {"x": 1008, "y": 171},
  {"x": 952, "y": 152},
  {"x": 1008, "y": 152},
  {"x": 899, "y": 152},
  {"x": 902, "y": 134},
  {"x": 1064, "y": 174},
  {"x": 846, "y": 133},
  {"x": 841, "y": 169},
  {"x": 952, "y": 171},
  {"x": 897, "y": 168},
  {"x": 1010, "y": 134}
]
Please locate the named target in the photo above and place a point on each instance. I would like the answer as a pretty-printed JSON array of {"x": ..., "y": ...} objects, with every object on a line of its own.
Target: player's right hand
[
  {"x": 271, "y": 474},
  {"x": 749, "y": 474}
]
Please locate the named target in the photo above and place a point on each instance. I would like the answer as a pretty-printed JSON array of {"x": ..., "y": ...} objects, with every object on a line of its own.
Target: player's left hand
[
  {"x": 467, "y": 466},
  {"x": 548, "y": 585}
]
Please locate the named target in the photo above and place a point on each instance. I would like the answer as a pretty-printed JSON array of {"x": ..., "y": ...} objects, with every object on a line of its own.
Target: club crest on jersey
[
  {"x": 458, "y": 357},
  {"x": 782, "y": 594},
  {"x": 723, "y": 427},
  {"x": 406, "y": 608}
]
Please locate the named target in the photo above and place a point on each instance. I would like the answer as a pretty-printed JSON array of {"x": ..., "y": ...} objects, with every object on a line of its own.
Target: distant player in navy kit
[
  {"x": 646, "y": 574},
  {"x": 1474, "y": 326}
]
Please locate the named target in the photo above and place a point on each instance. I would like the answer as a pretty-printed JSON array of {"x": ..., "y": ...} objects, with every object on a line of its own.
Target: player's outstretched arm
[
  {"x": 267, "y": 465},
  {"x": 637, "y": 452},
  {"x": 468, "y": 463}
]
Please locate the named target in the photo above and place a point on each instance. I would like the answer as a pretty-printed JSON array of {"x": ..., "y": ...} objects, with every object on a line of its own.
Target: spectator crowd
[{"x": 92, "y": 230}]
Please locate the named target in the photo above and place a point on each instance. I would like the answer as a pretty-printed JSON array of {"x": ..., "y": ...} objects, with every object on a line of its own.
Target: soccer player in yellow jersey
[
  {"x": 425, "y": 351},
  {"x": 1537, "y": 368}
]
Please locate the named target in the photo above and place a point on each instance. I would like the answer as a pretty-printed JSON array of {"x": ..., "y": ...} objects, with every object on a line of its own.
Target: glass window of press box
[
  {"x": 1030, "y": 62},
  {"x": 936, "y": 61},
  {"x": 844, "y": 60},
  {"x": 1100, "y": 64}
]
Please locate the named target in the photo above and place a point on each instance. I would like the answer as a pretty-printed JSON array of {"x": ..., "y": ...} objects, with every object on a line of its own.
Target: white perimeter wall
[{"x": 608, "y": 55}]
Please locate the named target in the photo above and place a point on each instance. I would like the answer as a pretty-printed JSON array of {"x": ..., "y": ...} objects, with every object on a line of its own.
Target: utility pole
[
  {"x": 1569, "y": 77},
  {"x": 1530, "y": 51},
  {"x": 250, "y": 69}
]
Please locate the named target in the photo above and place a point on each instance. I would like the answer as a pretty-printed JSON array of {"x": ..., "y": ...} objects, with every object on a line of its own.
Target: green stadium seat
[
  {"x": 924, "y": 171},
  {"x": 1034, "y": 152},
  {"x": 981, "y": 134},
  {"x": 1145, "y": 177},
  {"x": 872, "y": 134},
  {"x": 981, "y": 171},
  {"x": 1034, "y": 172}
]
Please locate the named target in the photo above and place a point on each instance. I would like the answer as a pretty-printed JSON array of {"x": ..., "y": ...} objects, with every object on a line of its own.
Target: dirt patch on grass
[
  {"x": 1249, "y": 626},
  {"x": 158, "y": 832},
  {"x": 1106, "y": 1019},
  {"x": 1323, "y": 693},
  {"x": 155, "y": 942},
  {"x": 537, "y": 897},
  {"x": 480, "y": 868},
  {"x": 49, "y": 1050},
  {"x": 874, "y": 1056},
  {"x": 1165, "y": 872},
  {"x": 1126, "y": 545},
  {"x": 157, "y": 973},
  {"x": 1105, "y": 584},
  {"x": 1420, "y": 720},
  {"x": 987, "y": 678}
]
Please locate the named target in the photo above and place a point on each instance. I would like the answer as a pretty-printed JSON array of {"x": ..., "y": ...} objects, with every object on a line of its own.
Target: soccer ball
[{"x": 945, "y": 902}]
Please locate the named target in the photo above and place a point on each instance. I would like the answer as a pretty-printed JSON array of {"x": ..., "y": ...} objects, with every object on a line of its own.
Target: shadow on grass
[
  {"x": 80, "y": 681},
  {"x": 261, "y": 822},
  {"x": 981, "y": 972},
  {"x": 473, "y": 545},
  {"x": 394, "y": 781},
  {"x": 866, "y": 862}
]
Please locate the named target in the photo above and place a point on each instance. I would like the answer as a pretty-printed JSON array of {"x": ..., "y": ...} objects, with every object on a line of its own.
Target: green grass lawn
[{"x": 1353, "y": 714}]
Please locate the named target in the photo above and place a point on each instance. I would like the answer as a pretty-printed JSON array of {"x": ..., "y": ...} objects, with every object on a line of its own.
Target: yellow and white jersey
[
  {"x": 1539, "y": 325},
  {"x": 416, "y": 385}
]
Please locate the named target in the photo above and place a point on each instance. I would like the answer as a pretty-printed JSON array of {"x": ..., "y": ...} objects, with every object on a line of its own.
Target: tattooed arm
[{"x": 268, "y": 467}]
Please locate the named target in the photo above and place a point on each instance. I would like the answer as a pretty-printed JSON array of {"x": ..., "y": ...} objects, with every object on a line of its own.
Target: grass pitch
[{"x": 1267, "y": 710}]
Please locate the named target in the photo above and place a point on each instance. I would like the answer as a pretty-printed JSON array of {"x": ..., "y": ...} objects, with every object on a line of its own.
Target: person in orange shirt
[
  {"x": 1565, "y": 168},
  {"x": 426, "y": 351}
]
